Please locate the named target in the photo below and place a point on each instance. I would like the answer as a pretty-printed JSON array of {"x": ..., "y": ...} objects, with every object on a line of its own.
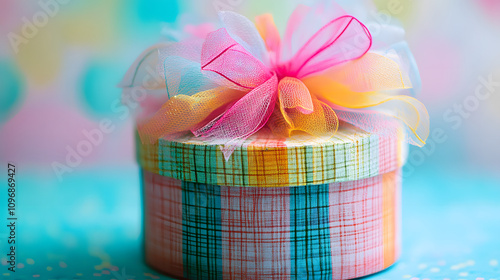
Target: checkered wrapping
[
  {"x": 201, "y": 229},
  {"x": 310, "y": 233},
  {"x": 356, "y": 227},
  {"x": 255, "y": 232},
  {"x": 263, "y": 161},
  {"x": 328, "y": 231}
]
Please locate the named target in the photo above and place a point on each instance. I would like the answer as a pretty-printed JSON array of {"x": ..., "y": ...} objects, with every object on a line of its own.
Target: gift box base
[{"x": 331, "y": 231}]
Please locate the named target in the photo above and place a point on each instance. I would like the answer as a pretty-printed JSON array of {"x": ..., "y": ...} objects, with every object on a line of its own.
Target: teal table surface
[{"x": 88, "y": 226}]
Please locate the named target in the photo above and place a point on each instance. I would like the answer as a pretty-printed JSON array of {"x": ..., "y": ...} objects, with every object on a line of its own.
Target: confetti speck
[
  {"x": 20, "y": 265},
  {"x": 49, "y": 268},
  {"x": 79, "y": 274},
  {"x": 463, "y": 274},
  {"x": 422, "y": 266},
  {"x": 435, "y": 269},
  {"x": 407, "y": 276},
  {"x": 493, "y": 262},
  {"x": 36, "y": 275},
  {"x": 458, "y": 266},
  {"x": 63, "y": 264},
  {"x": 30, "y": 261},
  {"x": 471, "y": 262}
]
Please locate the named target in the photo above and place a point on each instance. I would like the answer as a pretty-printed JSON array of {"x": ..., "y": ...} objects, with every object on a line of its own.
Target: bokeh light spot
[
  {"x": 10, "y": 89},
  {"x": 99, "y": 89},
  {"x": 158, "y": 10}
]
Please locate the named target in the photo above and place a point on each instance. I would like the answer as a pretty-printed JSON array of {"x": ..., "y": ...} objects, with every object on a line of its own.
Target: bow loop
[
  {"x": 243, "y": 77},
  {"x": 341, "y": 40},
  {"x": 230, "y": 65},
  {"x": 293, "y": 94}
]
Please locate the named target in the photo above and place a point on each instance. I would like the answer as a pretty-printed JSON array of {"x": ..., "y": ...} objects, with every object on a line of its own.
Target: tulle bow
[{"x": 229, "y": 84}]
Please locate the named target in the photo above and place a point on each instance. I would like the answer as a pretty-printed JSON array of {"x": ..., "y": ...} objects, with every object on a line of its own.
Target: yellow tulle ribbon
[
  {"x": 182, "y": 112},
  {"x": 405, "y": 108},
  {"x": 298, "y": 110}
]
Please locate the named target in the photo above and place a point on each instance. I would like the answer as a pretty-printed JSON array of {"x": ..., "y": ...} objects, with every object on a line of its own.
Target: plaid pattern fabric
[
  {"x": 255, "y": 232},
  {"x": 356, "y": 226},
  {"x": 201, "y": 229},
  {"x": 263, "y": 161},
  {"x": 326, "y": 231},
  {"x": 310, "y": 232},
  {"x": 163, "y": 222}
]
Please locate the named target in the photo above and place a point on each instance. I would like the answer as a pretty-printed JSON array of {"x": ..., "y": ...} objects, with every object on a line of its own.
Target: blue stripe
[
  {"x": 201, "y": 231},
  {"x": 310, "y": 254}
]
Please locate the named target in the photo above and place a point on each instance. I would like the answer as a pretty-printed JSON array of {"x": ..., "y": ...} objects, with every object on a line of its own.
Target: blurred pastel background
[{"x": 60, "y": 62}]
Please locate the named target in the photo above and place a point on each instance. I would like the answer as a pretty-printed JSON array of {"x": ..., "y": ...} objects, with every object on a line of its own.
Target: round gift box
[{"x": 295, "y": 208}]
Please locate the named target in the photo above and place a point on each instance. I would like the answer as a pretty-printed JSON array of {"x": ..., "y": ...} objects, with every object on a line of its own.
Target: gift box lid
[{"x": 266, "y": 161}]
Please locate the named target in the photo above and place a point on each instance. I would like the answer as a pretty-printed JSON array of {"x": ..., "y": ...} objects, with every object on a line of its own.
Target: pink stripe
[
  {"x": 255, "y": 233},
  {"x": 163, "y": 223},
  {"x": 356, "y": 228}
]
